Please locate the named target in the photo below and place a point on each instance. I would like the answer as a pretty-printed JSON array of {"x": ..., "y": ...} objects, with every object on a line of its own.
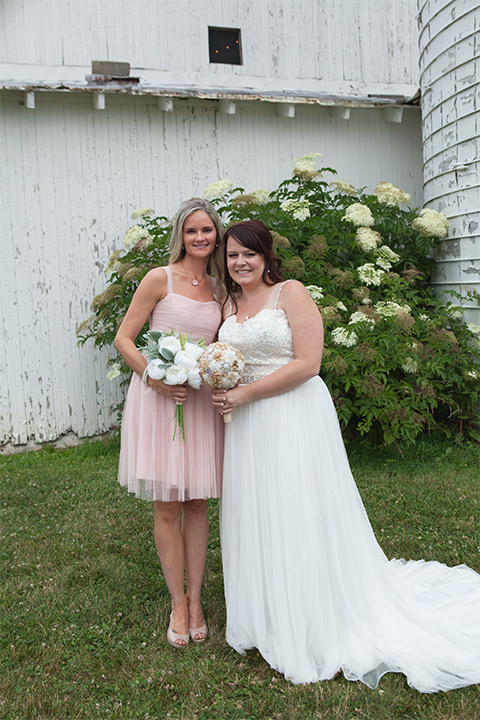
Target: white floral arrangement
[
  {"x": 385, "y": 257},
  {"x": 305, "y": 166},
  {"x": 173, "y": 358},
  {"x": 370, "y": 275},
  {"x": 358, "y": 317},
  {"x": 141, "y": 213},
  {"x": 315, "y": 293},
  {"x": 221, "y": 366},
  {"x": 134, "y": 234},
  {"x": 359, "y": 215},
  {"x": 410, "y": 366},
  {"x": 390, "y": 194},
  {"x": 299, "y": 209},
  {"x": 431, "y": 223},
  {"x": 367, "y": 239},
  {"x": 342, "y": 186},
  {"x": 217, "y": 189},
  {"x": 344, "y": 336},
  {"x": 388, "y": 308},
  {"x": 261, "y": 196}
]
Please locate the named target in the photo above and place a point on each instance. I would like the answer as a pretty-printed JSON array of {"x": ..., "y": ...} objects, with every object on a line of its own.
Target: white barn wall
[
  {"x": 74, "y": 177},
  {"x": 339, "y": 46}
]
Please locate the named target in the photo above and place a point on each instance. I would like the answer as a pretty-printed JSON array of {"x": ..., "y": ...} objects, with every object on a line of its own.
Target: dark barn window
[{"x": 224, "y": 45}]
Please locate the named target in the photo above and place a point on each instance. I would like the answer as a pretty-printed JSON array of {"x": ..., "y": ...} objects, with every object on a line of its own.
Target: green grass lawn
[{"x": 84, "y": 608}]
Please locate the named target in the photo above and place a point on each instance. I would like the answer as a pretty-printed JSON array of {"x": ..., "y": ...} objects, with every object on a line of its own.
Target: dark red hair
[{"x": 254, "y": 235}]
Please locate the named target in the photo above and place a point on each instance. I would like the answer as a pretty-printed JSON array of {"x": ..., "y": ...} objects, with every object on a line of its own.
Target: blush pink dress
[{"x": 152, "y": 465}]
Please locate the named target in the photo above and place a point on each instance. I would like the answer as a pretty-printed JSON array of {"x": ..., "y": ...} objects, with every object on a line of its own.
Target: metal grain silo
[{"x": 449, "y": 44}]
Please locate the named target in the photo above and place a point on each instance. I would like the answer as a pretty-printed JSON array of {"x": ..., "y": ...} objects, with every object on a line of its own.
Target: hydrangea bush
[{"x": 398, "y": 360}]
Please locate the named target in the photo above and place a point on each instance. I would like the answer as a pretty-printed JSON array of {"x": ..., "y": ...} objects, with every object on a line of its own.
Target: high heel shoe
[
  {"x": 173, "y": 636},
  {"x": 197, "y": 631}
]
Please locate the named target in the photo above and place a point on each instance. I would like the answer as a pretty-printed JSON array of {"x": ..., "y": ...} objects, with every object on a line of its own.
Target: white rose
[
  {"x": 194, "y": 379},
  {"x": 175, "y": 375},
  {"x": 171, "y": 344},
  {"x": 156, "y": 369},
  {"x": 185, "y": 360},
  {"x": 193, "y": 349}
]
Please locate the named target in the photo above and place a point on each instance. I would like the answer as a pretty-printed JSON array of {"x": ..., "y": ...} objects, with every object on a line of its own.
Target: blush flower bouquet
[
  {"x": 221, "y": 366},
  {"x": 173, "y": 357}
]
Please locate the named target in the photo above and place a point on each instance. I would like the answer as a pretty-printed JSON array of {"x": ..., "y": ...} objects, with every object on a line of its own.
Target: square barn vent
[{"x": 224, "y": 45}]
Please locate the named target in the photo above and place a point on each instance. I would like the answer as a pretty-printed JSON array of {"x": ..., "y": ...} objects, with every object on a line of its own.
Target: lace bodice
[{"x": 265, "y": 341}]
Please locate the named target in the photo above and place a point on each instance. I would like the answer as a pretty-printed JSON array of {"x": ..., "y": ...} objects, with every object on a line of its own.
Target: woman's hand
[
  {"x": 175, "y": 392},
  {"x": 227, "y": 400}
]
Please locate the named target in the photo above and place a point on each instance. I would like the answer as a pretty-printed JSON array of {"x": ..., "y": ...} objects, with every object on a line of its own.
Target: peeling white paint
[
  {"x": 450, "y": 82},
  {"x": 75, "y": 174}
]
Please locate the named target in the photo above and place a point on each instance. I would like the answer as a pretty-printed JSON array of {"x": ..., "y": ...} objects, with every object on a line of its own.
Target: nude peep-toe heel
[
  {"x": 196, "y": 631},
  {"x": 173, "y": 636}
]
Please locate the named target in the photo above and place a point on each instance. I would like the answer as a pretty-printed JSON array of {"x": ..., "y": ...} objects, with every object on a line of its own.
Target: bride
[{"x": 305, "y": 579}]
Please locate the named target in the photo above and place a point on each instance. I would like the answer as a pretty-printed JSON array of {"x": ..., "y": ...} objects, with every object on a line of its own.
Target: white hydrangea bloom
[
  {"x": 368, "y": 239},
  {"x": 358, "y": 317},
  {"x": 370, "y": 275},
  {"x": 300, "y": 209},
  {"x": 343, "y": 336},
  {"x": 141, "y": 212},
  {"x": 261, "y": 196},
  {"x": 217, "y": 189},
  {"x": 342, "y": 186},
  {"x": 474, "y": 328},
  {"x": 341, "y": 306},
  {"x": 114, "y": 371},
  {"x": 390, "y": 194},
  {"x": 423, "y": 317},
  {"x": 410, "y": 366},
  {"x": 315, "y": 292},
  {"x": 473, "y": 374},
  {"x": 388, "y": 308},
  {"x": 431, "y": 223},
  {"x": 385, "y": 257},
  {"x": 134, "y": 234},
  {"x": 358, "y": 214}
]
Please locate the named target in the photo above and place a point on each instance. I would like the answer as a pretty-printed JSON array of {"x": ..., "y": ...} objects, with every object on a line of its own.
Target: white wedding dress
[{"x": 305, "y": 579}]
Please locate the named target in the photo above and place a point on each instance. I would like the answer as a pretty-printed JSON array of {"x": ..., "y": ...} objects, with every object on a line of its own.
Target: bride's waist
[{"x": 257, "y": 371}]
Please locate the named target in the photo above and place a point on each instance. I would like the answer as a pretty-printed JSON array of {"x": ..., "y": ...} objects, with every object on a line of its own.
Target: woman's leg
[
  {"x": 170, "y": 548},
  {"x": 195, "y": 538}
]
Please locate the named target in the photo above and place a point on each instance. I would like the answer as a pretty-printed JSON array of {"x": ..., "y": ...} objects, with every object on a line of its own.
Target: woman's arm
[
  {"x": 152, "y": 289},
  {"x": 307, "y": 330}
]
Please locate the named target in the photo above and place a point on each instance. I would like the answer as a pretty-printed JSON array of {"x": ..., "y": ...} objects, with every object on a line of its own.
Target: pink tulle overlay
[{"x": 152, "y": 464}]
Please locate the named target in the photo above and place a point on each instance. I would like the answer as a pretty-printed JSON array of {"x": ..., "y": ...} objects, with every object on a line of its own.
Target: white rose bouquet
[
  {"x": 221, "y": 366},
  {"x": 173, "y": 358}
]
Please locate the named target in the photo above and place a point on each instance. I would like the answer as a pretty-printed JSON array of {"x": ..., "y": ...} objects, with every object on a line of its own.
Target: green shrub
[{"x": 398, "y": 360}]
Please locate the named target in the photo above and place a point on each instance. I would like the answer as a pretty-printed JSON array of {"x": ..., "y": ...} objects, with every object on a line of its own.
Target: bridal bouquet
[
  {"x": 173, "y": 358},
  {"x": 221, "y": 366}
]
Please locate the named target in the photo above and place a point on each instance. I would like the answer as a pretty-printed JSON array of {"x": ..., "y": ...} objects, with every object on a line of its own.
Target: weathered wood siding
[
  {"x": 71, "y": 175},
  {"x": 342, "y": 46},
  {"x": 450, "y": 72}
]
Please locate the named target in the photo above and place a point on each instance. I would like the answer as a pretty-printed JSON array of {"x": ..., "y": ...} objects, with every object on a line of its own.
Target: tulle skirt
[
  {"x": 152, "y": 464},
  {"x": 305, "y": 579}
]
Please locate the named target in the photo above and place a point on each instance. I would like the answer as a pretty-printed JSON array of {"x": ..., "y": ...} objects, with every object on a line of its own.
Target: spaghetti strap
[
  {"x": 279, "y": 291},
  {"x": 168, "y": 272}
]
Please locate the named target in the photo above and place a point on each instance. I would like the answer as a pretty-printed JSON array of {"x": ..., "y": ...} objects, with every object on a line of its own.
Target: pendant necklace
[{"x": 192, "y": 277}]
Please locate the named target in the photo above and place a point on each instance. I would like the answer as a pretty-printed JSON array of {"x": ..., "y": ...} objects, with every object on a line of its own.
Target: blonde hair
[{"x": 177, "y": 248}]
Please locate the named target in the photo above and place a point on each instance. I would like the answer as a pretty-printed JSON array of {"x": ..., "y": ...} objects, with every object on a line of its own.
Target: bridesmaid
[{"x": 178, "y": 476}]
